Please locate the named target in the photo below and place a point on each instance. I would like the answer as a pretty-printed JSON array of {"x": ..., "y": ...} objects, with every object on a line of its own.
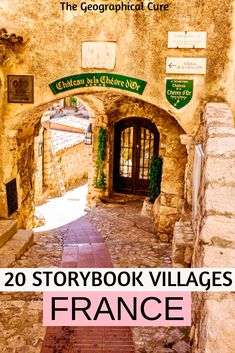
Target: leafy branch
[
  {"x": 100, "y": 179},
  {"x": 155, "y": 177}
]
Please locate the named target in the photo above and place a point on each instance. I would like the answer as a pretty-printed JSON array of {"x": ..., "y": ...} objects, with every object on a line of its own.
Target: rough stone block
[
  {"x": 7, "y": 230},
  {"x": 218, "y": 257},
  {"x": 220, "y": 170},
  {"x": 218, "y": 230},
  {"x": 220, "y": 199},
  {"x": 214, "y": 121},
  {"x": 168, "y": 210},
  {"x": 166, "y": 224},
  {"x": 218, "y": 327},
  {"x": 174, "y": 186},
  {"x": 15, "y": 247},
  {"x": 177, "y": 202},
  {"x": 223, "y": 146},
  {"x": 220, "y": 131},
  {"x": 23, "y": 239},
  {"x": 3, "y": 206},
  {"x": 182, "y": 244},
  {"x": 218, "y": 114}
]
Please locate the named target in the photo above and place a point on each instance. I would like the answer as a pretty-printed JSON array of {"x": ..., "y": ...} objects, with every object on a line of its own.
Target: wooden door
[{"x": 136, "y": 141}]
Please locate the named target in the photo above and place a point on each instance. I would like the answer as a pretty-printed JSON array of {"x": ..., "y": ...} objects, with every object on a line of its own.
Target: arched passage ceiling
[{"x": 102, "y": 103}]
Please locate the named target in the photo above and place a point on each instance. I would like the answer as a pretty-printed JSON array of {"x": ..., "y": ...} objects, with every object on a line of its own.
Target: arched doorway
[{"x": 136, "y": 141}]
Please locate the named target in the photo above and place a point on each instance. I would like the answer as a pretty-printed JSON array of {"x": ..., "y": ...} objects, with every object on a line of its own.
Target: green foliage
[
  {"x": 100, "y": 179},
  {"x": 155, "y": 177},
  {"x": 102, "y": 139},
  {"x": 74, "y": 102}
]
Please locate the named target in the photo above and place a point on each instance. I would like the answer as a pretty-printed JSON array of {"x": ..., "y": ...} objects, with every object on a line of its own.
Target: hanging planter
[
  {"x": 155, "y": 177},
  {"x": 100, "y": 179}
]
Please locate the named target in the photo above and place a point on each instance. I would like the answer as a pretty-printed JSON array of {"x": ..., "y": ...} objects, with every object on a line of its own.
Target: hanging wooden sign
[{"x": 179, "y": 92}]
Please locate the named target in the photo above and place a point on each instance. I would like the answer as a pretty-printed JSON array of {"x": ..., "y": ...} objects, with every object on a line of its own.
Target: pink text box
[{"x": 111, "y": 309}]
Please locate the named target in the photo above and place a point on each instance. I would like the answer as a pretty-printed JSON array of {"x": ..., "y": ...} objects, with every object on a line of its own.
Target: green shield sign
[{"x": 179, "y": 92}]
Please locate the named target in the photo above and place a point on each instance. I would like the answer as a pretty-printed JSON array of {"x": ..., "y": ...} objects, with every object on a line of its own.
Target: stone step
[
  {"x": 15, "y": 247},
  {"x": 7, "y": 229},
  {"x": 122, "y": 198}
]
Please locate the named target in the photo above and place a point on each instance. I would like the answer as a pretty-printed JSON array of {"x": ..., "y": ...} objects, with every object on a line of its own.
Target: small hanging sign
[{"x": 179, "y": 92}]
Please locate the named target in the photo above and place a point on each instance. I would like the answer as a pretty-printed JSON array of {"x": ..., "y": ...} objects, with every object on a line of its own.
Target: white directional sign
[
  {"x": 186, "y": 66},
  {"x": 187, "y": 40}
]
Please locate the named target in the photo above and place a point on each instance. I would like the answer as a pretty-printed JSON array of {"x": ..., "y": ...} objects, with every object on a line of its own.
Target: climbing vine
[
  {"x": 155, "y": 177},
  {"x": 100, "y": 179}
]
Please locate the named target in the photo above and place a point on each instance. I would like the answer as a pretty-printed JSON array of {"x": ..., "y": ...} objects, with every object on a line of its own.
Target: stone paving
[
  {"x": 84, "y": 247},
  {"x": 130, "y": 236},
  {"x": 131, "y": 242},
  {"x": 21, "y": 329}
]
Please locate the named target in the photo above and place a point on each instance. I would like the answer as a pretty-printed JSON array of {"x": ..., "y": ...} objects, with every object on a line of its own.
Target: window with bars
[{"x": 12, "y": 199}]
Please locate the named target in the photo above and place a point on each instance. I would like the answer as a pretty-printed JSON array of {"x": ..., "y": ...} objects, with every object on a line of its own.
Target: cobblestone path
[
  {"x": 84, "y": 247},
  {"x": 21, "y": 329},
  {"x": 131, "y": 243}
]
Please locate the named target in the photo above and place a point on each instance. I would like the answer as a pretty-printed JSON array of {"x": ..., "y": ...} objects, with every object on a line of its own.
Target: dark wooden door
[{"x": 136, "y": 141}]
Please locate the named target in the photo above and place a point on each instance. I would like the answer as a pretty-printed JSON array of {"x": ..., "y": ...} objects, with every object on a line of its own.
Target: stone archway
[
  {"x": 21, "y": 135},
  {"x": 117, "y": 107},
  {"x": 106, "y": 109}
]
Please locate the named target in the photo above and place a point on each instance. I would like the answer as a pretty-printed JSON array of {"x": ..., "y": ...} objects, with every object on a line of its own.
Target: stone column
[
  {"x": 47, "y": 160},
  {"x": 172, "y": 185},
  {"x": 214, "y": 239},
  {"x": 38, "y": 155},
  {"x": 26, "y": 167},
  {"x": 94, "y": 194}
]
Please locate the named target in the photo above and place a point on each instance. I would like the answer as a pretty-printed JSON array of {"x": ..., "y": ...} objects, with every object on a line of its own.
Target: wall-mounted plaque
[
  {"x": 99, "y": 55},
  {"x": 20, "y": 89},
  {"x": 179, "y": 92},
  {"x": 189, "y": 40},
  {"x": 186, "y": 66}
]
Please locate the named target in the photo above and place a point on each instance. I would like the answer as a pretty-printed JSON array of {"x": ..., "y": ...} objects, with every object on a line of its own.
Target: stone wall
[
  {"x": 26, "y": 181},
  {"x": 68, "y": 166},
  {"x": 74, "y": 164},
  {"x": 141, "y": 40},
  {"x": 142, "y": 50},
  {"x": 214, "y": 224}
]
